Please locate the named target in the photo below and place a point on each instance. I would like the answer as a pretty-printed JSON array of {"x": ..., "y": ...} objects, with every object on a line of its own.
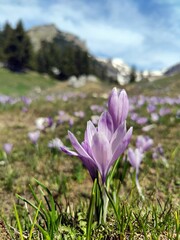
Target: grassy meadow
[{"x": 157, "y": 217}]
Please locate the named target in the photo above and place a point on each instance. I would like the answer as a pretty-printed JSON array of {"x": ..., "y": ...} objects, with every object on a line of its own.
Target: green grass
[
  {"x": 18, "y": 84},
  {"x": 165, "y": 86}
]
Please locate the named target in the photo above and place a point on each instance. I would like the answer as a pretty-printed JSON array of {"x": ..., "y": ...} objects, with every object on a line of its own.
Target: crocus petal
[
  {"x": 68, "y": 151},
  {"x": 122, "y": 145},
  {"x": 105, "y": 125},
  {"x": 144, "y": 143},
  {"x": 118, "y": 136},
  {"x": 123, "y": 106},
  {"x": 139, "y": 157},
  {"x": 87, "y": 147},
  {"x": 132, "y": 157},
  {"x": 113, "y": 106},
  {"x": 101, "y": 153},
  {"x": 90, "y": 131},
  {"x": 148, "y": 144},
  {"x": 87, "y": 162},
  {"x": 77, "y": 146},
  {"x": 91, "y": 167}
]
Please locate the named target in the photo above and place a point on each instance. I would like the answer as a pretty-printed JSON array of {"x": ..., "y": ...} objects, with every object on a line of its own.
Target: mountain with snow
[{"x": 119, "y": 71}]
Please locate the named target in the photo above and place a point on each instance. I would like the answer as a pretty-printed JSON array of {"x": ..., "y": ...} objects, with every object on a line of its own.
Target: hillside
[
  {"x": 51, "y": 33},
  {"x": 14, "y": 84},
  {"x": 18, "y": 84},
  {"x": 165, "y": 86}
]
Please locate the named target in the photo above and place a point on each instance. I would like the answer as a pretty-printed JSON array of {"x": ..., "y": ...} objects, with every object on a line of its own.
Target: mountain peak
[{"x": 50, "y": 32}]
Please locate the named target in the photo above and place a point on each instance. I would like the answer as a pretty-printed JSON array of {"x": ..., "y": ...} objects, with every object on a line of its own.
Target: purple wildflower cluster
[{"x": 156, "y": 108}]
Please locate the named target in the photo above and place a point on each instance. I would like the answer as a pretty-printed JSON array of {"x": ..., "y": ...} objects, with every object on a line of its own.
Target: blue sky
[{"x": 144, "y": 33}]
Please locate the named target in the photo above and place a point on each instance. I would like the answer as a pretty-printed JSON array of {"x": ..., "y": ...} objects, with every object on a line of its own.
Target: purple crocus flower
[
  {"x": 79, "y": 114},
  {"x": 27, "y": 101},
  {"x": 43, "y": 122},
  {"x": 34, "y": 136},
  {"x": 8, "y": 147},
  {"x": 164, "y": 111},
  {"x": 97, "y": 108},
  {"x": 135, "y": 158},
  {"x": 134, "y": 116},
  {"x": 144, "y": 143},
  {"x": 118, "y": 107},
  {"x": 151, "y": 108},
  {"x": 141, "y": 120},
  {"x": 103, "y": 145}
]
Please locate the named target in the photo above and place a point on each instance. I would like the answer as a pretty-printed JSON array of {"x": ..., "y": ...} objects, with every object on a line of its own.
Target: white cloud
[{"x": 111, "y": 28}]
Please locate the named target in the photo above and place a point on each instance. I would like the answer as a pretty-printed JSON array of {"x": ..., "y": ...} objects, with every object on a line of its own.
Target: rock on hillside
[{"x": 51, "y": 33}]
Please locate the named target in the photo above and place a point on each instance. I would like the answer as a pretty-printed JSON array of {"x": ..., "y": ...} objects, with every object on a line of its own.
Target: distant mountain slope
[
  {"x": 172, "y": 70},
  {"x": 51, "y": 33}
]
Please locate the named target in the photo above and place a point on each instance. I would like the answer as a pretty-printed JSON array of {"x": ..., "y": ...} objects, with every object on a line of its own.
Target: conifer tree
[
  {"x": 5, "y": 37},
  {"x": 132, "y": 77},
  {"x": 17, "y": 48}
]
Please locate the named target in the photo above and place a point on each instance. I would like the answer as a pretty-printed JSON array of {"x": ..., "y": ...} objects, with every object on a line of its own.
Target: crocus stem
[
  {"x": 105, "y": 203},
  {"x": 139, "y": 187}
]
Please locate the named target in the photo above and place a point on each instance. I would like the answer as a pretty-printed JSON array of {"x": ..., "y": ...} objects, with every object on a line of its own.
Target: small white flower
[{"x": 55, "y": 143}]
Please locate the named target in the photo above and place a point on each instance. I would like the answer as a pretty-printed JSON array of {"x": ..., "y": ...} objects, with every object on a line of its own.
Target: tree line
[{"x": 18, "y": 55}]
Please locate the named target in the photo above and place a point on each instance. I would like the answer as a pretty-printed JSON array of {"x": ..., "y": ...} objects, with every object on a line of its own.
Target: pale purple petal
[
  {"x": 113, "y": 106},
  {"x": 122, "y": 146},
  {"x": 132, "y": 157},
  {"x": 8, "y": 147},
  {"x": 34, "y": 136},
  {"x": 88, "y": 162},
  {"x": 90, "y": 165},
  {"x": 135, "y": 157},
  {"x": 144, "y": 143},
  {"x": 105, "y": 125},
  {"x": 141, "y": 120},
  {"x": 89, "y": 133},
  {"x": 118, "y": 136},
  {"x": 123, "y": 106},
  {"x": 68, "y": 151},
  {"x": 101, "y": 153},
  {"x": 77, "y": 146}
]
